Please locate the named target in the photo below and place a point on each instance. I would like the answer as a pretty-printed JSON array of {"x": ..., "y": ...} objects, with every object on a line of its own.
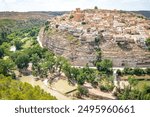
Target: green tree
[
  {"x": 1, "y": 52},
  {"x": 35, "y": 59},
  {"x": 148, "y": 43},
  {"x": 22, "y": 61},
  {"x": 82, "y": 90},
  {"x": 5, "y": 48},
  {"x": 147, "y": 71},
  {"x": 119, "y": 72},
  {"x": 132, "y": 81},
  {"x": 16, "y": 90},
  {"x": 81, "y": 78},
  {"x": 134, "y": 94},
  {"x": 128, "y": 71},
  {"x": 104, "y": 65},
  {"x": 139, "y": 72},
  {"x": 60, "y": 62},
  {"x": 95, "y": 7},
  {"x": 49, "y": 60},
  {"x": 6, "y": 66},
  {"x": 18, "y": 44}
]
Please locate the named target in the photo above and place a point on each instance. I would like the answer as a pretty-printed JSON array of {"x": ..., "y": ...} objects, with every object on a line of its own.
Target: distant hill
[
  {"x": 22, "y": 20},
  {"x": 40, "y": 15},
  {"x": 44, "y": 15},
  {"x": 145, "y": 13}
]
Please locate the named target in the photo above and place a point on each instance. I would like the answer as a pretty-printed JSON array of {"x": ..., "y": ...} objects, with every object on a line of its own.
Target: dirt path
[
  {"x": 98, "y": 92},
  {"x": 30, "y": 80},
  {"x": 101, "y": 94},
  {"x": 40, "y": 43}
]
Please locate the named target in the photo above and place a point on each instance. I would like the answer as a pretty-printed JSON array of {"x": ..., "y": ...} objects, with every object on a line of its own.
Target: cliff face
[
  {"x": 62, "y": 43},
  {"x": 120, "y": 36}
]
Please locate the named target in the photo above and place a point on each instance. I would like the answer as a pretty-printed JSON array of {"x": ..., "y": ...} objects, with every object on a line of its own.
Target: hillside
[
  {"x": 17, "y": 21},
  {"x": 145, "y": 13},
  {"x": 40, "y": 15},
  {"x": 81, "y": 35},
  {"x": 18, "y": 37}
]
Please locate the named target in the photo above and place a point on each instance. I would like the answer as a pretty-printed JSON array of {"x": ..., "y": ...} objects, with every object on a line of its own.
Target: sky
[{"x": 67, "y": 5}]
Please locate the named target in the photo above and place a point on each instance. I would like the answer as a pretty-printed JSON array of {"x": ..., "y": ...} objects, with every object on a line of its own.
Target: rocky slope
[{"x": 79, "y": 35}]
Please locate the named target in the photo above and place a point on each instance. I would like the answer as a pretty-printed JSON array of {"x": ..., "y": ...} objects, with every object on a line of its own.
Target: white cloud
[
  {"x": 8, "y": 1},
  {"x": 58, "y": 5}
]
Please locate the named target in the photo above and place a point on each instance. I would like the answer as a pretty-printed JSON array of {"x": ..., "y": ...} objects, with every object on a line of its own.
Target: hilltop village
[
  {"x": 120, "y": 36},
  {"x": 82, "y": 54}
]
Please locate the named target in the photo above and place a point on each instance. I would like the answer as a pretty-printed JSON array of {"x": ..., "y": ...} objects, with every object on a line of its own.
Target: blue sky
[{"x": 64, "y": 5}]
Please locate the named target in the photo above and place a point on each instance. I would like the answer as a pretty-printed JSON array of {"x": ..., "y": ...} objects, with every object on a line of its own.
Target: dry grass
[{"x": 63, "y": 86}]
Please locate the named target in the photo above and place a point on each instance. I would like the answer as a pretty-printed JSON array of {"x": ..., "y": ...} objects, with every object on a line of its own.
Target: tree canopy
[{"x": 16, "y": 90}]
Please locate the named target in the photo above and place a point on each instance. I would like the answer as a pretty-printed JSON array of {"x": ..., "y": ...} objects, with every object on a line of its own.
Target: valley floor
[{"x": 30, "y": 79}]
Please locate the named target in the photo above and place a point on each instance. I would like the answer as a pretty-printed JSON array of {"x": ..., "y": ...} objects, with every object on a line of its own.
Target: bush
[
  {"x": 148, "y": 43},
  {"x": 119, "y": 72},
  {"x": 103, "y": 88},
  {"x": 106, "y": 88},
  {"x": 71, "y": 16},
  {"x": 128, "y": 71},
  {"x": 106, "y": 84},
  {"x": 139, "y": 72},
  {"x": 136, "y": 71},
  {"x": 47, "y": 23},
  {"x": 82, "y": 90},
  {"x": 83, "y": 23},
  {"x": 105, "y": 66},
  {"x": 147, "y": 71},
  {"x": 133, "y": 94},
  {"x": 95, "y": 7},
  {"x": 132, "y": 81},
  {"x": 46, "y": 28}
]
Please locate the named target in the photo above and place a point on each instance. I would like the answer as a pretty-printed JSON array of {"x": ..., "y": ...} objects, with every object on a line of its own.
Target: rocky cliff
[{"x": 79, "y": 35}]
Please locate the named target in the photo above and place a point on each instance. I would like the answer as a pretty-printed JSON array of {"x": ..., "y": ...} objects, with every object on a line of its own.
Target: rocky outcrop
[
  {"x": 79, "y": 52},
  {"x": 120, "y": 36}
]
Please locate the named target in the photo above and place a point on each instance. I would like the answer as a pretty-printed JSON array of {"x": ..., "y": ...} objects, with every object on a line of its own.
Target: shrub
[
  {"x": 147, "y": 71},
  {"x": 106, "y": 84},
  {"x": 139, "y": 72},
  {"x": 106, "y": 88},
  {"x": 82, "y": 90},
  {"x": 119, "y": 72},
  {"x": 95, "y": 7},
  {"x": 128, "y": 71},
  {"x": 148, "y": 43},
  {"x": 83, "y": 23},
  {"x": 71, "y": 16}
]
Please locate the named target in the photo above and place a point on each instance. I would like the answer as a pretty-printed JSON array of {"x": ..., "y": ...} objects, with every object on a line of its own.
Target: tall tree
[
  {"x": 6, "y": 66},
  {"x": 104, "y": 65},
  {"x": 22, "y": 61}
]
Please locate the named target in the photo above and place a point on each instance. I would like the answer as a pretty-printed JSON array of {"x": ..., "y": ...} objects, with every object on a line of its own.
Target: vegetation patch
[
  {"x": 106, "y": 85},
  {"x": 70, "y": 37},
  {"x": 16, "y": 90},
  {"x": 148, "y": 43}
]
